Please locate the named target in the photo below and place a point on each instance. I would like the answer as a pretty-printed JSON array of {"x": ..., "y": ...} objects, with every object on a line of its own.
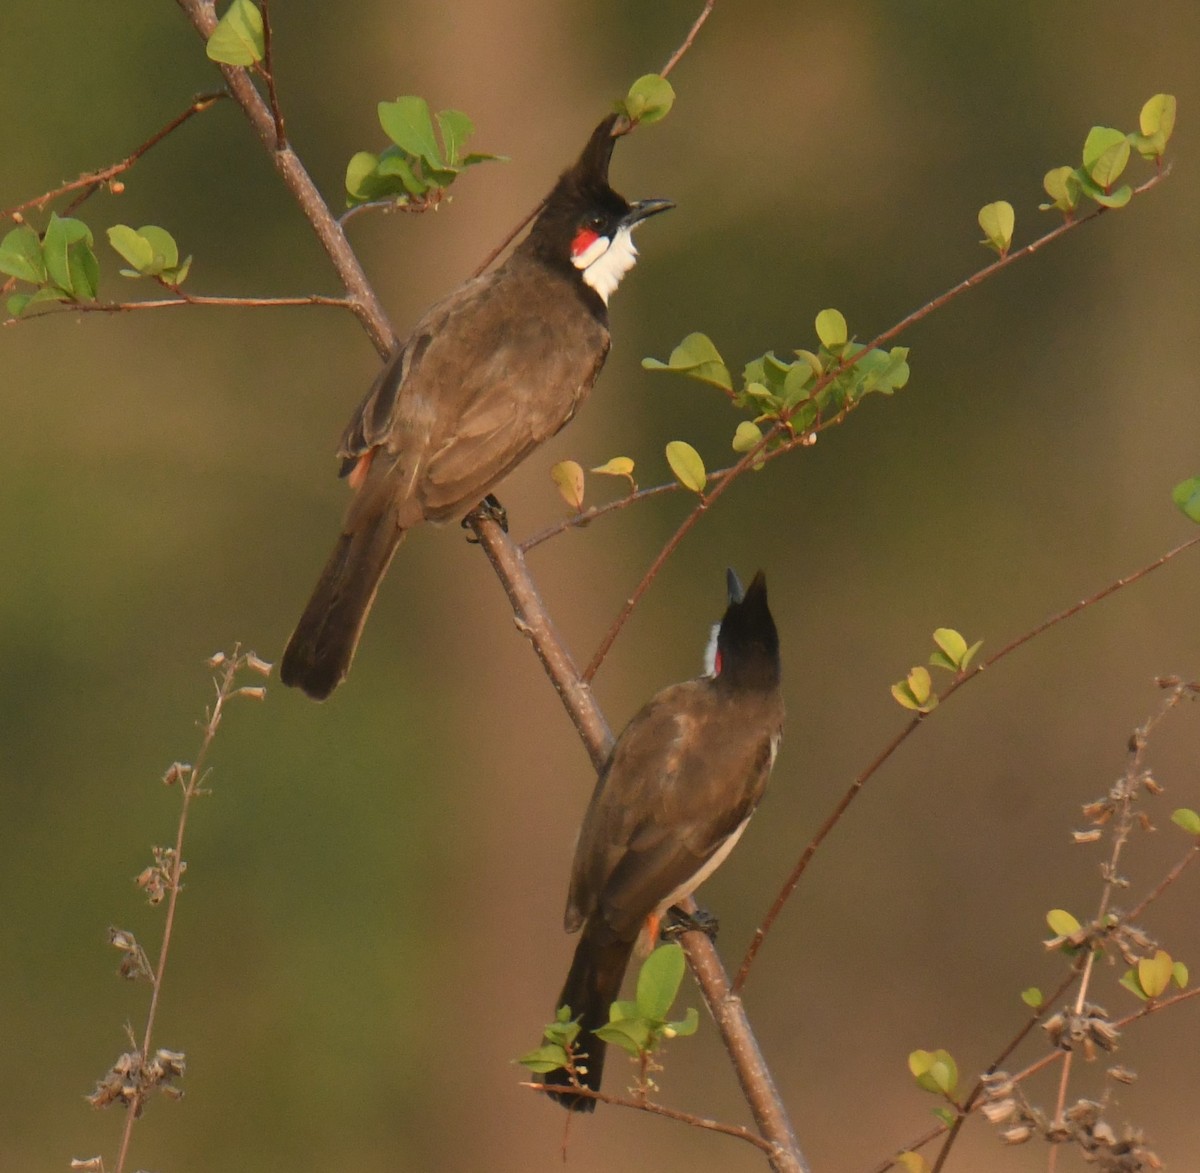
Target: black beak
[
  {"x": 644, "y": 209},
  {"x": 733, "y": 585}
]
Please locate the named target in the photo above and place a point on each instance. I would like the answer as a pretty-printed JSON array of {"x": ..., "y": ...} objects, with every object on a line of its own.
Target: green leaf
[
  {"x": 697, "y": 357},
  {"x": 1032, "y": 997},
  {"x": 650, "y": 99},
  {"x": 997, "y": 221},
  {"x": 131, "y": 245},
  {"x": 393, "y": 165},
  {"x": 1105, "y": 154},
  {"x": 951, "y": 644},
  {"x": 912, "y": 1162},
  {"x": 832, "y": 330},
  {"x": 407, "y": 122},
  {"x": 658, "y": 981},
  {"x": 916, "y": 691},
  {"x": 238, "y": 37},
  {"x": 935, "y": 1071},
  {"x": 358, "y": 173},
  {"x": 548, "y": 1057},
  {"x": 1158, "y": 116},
  {"x": 17, "y": 302},
  {"x": 687, "y": 1025},
  {"x": 1157, "y": 122},
  {"x": 1062, "y": 923},
  {"x": 630, "y": 1034},
  {"x": 1186, "y": 495},
  {"x": 1154, "y": 973},
  {"x": 21, "y": 255},
  {"x": 166, "y": 251},
  {"x": 84, "y": 270},
  {"x": 1179, "y": 973},
  {"x": 61, "y": 234},
  {"x": 1063, "y": 188},
  {"x": 687, "y": 466},
  {"x": 1130, "y": 981},
  {"x": 455, "y": 128},
  {"x": 1187, "y": 820},
  {"x": 747, "y": 436}
]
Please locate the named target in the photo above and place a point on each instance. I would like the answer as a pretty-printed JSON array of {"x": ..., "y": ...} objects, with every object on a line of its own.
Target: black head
[
  {"x": 747, "y": 654},
  {"x": 585, "y": 226}
]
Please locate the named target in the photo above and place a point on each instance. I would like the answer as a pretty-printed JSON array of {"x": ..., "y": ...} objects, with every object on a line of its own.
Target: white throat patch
[
  {"x": 710, "y": 652},
  {"x": 603, "y": 263}
]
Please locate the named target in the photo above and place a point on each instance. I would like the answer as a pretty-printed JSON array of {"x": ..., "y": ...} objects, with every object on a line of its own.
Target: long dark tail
[
  {"x": 318, "y": 655},
  {"x": 591, "y": 988}
]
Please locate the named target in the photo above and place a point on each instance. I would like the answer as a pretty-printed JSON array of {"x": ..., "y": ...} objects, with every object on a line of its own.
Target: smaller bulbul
[
  {"x": 488, "y": 373},
  {"x": 676, "y": 793}
]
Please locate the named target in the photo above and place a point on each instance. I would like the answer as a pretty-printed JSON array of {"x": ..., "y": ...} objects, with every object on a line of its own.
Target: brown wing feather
[
  {"x": 489, "y": 373},
  {"x": 662, "y": 807}
]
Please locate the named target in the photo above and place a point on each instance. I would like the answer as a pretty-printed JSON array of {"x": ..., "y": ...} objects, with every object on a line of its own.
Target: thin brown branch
[
  {"x": 793, "y": 879},
  {"x": 162, "y": 303},
  {"x": 360, "y": 294},
  {"x": 1186, "y": 862},
  {"x": 727, "y": 1010},
  {"x": 92, "y": 181},
  {"x": 689, "y": 1118},
  {"x": 268, "y": 70},
  {"x": 686, "y": 43}
]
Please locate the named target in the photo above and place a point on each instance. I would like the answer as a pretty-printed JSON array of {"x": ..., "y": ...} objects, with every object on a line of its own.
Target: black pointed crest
[
  {"x": 592, "y": 164},
  {"x": 586, "y": 180},
  {"x": 747, "y": 641}
]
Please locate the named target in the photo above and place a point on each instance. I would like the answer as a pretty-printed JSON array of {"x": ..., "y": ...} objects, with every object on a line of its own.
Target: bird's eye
[{"x": 596, "y": 224}]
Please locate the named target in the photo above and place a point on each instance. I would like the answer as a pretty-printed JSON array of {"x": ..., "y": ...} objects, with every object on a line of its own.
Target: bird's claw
[
  {"x": 489, "y": 509},
  {"x": 677, "y": 922}
]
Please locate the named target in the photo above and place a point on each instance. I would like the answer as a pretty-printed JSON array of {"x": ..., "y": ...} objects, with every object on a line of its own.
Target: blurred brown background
[{"x": 371, "y": 928}]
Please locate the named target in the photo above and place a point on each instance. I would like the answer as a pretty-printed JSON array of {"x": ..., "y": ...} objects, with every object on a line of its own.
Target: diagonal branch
[{"x": 365, "y": 303}]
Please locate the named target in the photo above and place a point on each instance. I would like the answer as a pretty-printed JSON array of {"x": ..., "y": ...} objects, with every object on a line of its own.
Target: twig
[
  {"x": 163, "y": 303},
  {"x": 93, "y": 180},
  {"x": 192, "y": 778},
  {"x": 735, "y": 1130},
  {"x": 793, "y": 879},
  {"x": 269, "y": 72},
  {"x": 686, "y": 44}
]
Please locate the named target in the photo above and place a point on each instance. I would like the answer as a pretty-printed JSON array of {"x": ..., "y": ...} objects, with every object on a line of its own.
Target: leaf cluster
[
  {"x": 797, "y": 392},
  {"x": 416, "y": 168},
  {"x": 639, "y": 1026},
  {"x": 62, "y": 266}
]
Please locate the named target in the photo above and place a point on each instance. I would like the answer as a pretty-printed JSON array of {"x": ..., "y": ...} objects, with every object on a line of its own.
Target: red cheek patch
[{"x": 584, "y": 239}]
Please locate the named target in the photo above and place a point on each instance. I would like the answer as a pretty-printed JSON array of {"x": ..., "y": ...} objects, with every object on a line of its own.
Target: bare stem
[
  {"x": 192, "y": 784},
  {"x": 94, "y": 180},
  {"x": 643, "y": 1105}
]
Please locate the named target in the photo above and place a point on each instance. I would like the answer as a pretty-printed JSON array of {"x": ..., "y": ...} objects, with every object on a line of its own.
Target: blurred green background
[{"x": 371, "y": 929}]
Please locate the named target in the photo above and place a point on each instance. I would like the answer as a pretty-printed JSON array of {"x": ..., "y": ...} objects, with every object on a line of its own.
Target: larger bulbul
[
  {"x": 678, "y": 790},
  {"x": 488, "y": 373}
]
